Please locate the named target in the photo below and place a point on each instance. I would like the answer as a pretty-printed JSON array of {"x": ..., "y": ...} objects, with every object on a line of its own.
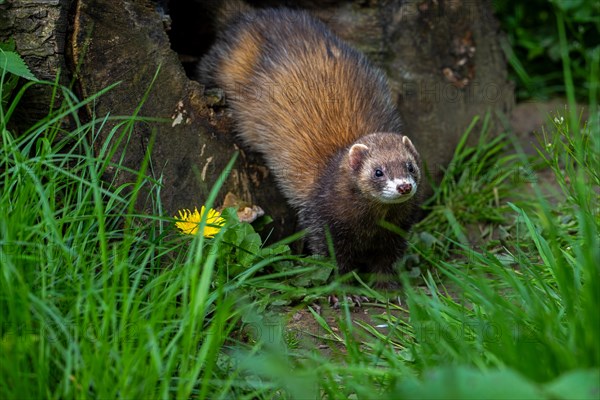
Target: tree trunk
[
  {"x": 38, "y": 28},
  {"x": 442, "y": 59},
  {"x": 126, "y": 42}
]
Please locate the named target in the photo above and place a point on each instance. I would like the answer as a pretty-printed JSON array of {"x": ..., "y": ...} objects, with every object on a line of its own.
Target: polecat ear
[
  {"x": 356, "y": 155},
  {"x": 406, "y": 142}
]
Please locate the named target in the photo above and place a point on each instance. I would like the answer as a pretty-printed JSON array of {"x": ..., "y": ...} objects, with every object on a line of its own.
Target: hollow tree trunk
[{"x": 442, "y": 59}]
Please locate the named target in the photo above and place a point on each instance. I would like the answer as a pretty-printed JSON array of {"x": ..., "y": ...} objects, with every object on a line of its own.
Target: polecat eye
[
  {"x": 410, "y": 167},
  {"x": 378, "y": 173}
]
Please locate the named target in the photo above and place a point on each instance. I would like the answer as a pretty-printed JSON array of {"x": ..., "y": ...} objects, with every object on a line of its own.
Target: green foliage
[
  {"x": 12, "y": 67},
  {"x": 11, "y": 62},
  {"x": 467, "y": 383},
  {"x": 534, "y": 46},
  {"x": 98, "y": 301},
  {"x": 466, "y": 205},
  {"x": 522, "y": 292}
]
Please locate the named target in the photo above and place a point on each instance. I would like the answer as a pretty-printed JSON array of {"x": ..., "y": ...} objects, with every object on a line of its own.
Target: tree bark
[
  {"x": 442, "y": 58},
  {"x": 38, "y": 28}
]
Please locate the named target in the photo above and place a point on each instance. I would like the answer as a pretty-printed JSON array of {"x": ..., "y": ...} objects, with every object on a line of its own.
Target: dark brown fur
[{"x": 302, "y": 97}]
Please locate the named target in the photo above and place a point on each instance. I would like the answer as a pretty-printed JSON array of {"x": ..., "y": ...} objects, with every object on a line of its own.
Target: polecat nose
[{"x": 404, "y": 188}]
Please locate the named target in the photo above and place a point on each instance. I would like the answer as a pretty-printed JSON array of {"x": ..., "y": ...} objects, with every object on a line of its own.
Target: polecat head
[{"x": 386, "y": 167}]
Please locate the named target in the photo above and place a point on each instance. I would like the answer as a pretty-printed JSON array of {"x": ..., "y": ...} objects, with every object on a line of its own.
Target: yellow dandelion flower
[{"x": 190, "y": 221}]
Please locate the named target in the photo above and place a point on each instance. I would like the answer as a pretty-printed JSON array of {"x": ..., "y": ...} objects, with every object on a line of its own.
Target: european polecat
[{"x": 323, "y": 118}]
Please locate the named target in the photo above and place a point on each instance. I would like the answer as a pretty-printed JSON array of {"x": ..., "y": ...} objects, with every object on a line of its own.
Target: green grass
[
  {"x": 501, "y": 281},
  {"x": 533, "y": 44}
]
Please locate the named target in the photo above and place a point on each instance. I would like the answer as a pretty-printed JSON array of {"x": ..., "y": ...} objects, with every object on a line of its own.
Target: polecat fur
[{"x": 323, "y": 119}]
